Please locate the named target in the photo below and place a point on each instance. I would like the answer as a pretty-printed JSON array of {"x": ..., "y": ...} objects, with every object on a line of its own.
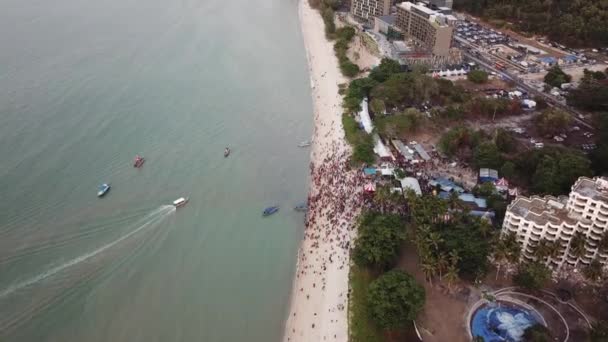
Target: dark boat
[
  {"x": 301, "y": 207},
  {"x": 103, "y": 189},
  {"x": 270, "y": 210},
  {"x": 226, "y": 152},
  {"x": 139, "y": 161}
]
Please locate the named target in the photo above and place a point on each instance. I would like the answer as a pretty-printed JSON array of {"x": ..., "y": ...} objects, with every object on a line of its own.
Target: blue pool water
[{"x": 501, "y": 321}]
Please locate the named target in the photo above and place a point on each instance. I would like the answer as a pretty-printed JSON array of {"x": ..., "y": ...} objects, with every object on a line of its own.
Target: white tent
[
  {"x": 366, "y": 120},
  {"x": 411, "y": 183}
]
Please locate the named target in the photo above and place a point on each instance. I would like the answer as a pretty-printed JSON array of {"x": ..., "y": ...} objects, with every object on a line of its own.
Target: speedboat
[
  {"x": 139, "y": 161},
  {"x": 301, "y": 207},
  {"x": 305, "y": 143},
  {"x": 226, "y": 152},
  {"x": 270, "y": 210},
  {"x": 103, "y": 189},
  {"x": 180, "y": 202}
]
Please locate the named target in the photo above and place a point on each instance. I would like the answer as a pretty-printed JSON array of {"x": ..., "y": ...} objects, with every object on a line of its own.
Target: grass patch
[{"x": 361, "y": 329}]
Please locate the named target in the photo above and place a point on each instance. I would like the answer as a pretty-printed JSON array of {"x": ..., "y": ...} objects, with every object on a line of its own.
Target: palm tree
[
  {"x": 594, "y": 271},
  {"x": 602, "y": 246},
  {"x": 454, "y": 258},
  {"x": 451, "y": 275},
  {"x": 434, "y": 239},
  {"x": 546, "y": 249},
  {"x": 512, "y": 247},
  {"x": 501, "y": 253},
  {"x": 454, "y": 200},
  {"x": 442, "y": 264},
  {"x": 577, "y": 245},
  {"x": 429, "y": 267},
  {"x": 382, "y": 196},
  {"x": 485, "y": 228}
]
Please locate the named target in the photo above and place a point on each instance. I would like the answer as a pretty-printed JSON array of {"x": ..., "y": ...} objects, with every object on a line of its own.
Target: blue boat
[
  {"x": 301, "y": 207},
  {"x": 103, "y": 189},
  {"x": 270, "y": 210}
]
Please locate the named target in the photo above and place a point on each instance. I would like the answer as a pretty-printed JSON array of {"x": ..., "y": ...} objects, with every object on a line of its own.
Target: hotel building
[
  {"x": 585, "y": 210},
  {"x": 430, "y": 28},
  {"x": 368, "y": 9}
]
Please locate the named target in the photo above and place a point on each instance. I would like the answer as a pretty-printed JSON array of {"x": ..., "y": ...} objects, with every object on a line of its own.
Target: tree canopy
[
  {"x": 395, "y": 298},
  {"x": 478, "y": 76},
  {"x": 380, "y": 237},
  {"x": 581, "y": 22},
  {"x": 551, "y": 170},
  {"x": 555, "y": 77},
  {"x": 537, "y": 333},
  {"x": 552, "y": 121},
  {"x": 533, "y": 275}
]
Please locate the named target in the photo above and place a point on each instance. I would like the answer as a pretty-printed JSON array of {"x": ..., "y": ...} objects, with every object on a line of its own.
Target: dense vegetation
[
  {"x": 550, "y": 170},
  {"x": 555, "y": 77},
  {"x": 552, "y": 121},
  {"x": 395, "y": 298},
  {"x": 592, "y": 92},
  {"x": 379, "y": 238},
  {"x": 581, "y": 22},
  {"x": 533, "y": 276},
  {"x": 478, "y": 76},
  {"x": 537, "y": 333}
]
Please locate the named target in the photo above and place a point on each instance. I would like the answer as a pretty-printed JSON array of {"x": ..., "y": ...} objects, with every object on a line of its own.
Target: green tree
[
  {"x": 537, "y": 333},
  {"x": 599, "y": 332},
  {"x": 478, "y": 76},
  {"x": 594, "y": 271},
  {"x": 555, "y": 77},
  {"x": 386, "y": 68},
  {"x": 487, "y": 155},
  {"x": 395, "y": 298},
  {"x": 533, "y": 275},
  {"x": 546, "y": 249},
  {"x": 552, "y": 121},
  {"x": 379, "y": 240},
  {"x": 508, "y": 170},
  {"x": 577, "y": 245},
  {"x": 377, "y": 106}
]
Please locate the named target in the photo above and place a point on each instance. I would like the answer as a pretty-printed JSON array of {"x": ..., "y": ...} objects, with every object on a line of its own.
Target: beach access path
[{"x": 319, "y": 300}]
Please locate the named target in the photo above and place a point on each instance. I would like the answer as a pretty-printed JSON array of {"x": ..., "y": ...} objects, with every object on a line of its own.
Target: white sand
[{"x": 319, "y": 303}]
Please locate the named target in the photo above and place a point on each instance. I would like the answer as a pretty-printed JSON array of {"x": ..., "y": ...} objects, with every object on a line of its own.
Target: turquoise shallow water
[{"x": 86, "y": 85}]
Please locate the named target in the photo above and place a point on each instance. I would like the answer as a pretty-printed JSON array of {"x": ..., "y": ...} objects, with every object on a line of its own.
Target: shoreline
[{"x": 318, "y": 309}]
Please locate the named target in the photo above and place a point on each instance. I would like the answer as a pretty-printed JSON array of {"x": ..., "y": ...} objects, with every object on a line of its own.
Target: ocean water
[{"x": 84, "y": 86}]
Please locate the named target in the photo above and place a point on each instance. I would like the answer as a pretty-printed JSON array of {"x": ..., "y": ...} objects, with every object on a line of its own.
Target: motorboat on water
[
  {"x": 139, "y": 161},
  {"x": 103, "y": 189},
  {"x": 270, "y": 210},
  {"x": 305, "y": 143},
  {"x": 301, "y": 207},
  {"x": 226, "y": 152},
  {"x": 180, "y": 202}
]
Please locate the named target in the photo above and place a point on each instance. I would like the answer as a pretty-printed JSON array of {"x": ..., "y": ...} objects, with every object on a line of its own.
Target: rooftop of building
[
  {"x": 596, "y": 188},
  {"x": 543, "y": 209}
]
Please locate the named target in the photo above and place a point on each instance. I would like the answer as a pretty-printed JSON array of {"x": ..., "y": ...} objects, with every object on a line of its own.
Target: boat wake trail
[{"x": 57, "y": 283}]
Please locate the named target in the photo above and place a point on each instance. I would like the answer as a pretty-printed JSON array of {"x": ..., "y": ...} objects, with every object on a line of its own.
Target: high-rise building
[
  {"x": 368, "y": 9},
  {"x": 583, "y": 212},
  {"x": 430, "y": 28}
]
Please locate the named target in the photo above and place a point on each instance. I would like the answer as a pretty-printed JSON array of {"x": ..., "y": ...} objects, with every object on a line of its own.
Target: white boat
[
  {"x": 305, "y": 143},
  {"x": 180, "y": 202}
]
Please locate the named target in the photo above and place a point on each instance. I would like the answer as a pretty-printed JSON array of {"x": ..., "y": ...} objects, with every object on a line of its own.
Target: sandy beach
[{"x": 319, "y": 301}]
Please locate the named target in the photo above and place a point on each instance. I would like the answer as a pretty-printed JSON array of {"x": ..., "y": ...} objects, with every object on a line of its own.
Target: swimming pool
[{"x": 502, "y": 321}]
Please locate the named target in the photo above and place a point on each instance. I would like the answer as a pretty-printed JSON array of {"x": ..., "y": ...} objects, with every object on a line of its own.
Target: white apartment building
[
  {"x": 368, "y": 9},
  {"x": 585, "y": 210}
]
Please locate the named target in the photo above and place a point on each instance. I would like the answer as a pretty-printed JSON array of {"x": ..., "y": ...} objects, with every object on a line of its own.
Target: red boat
[{"x": 139, "y": 161}]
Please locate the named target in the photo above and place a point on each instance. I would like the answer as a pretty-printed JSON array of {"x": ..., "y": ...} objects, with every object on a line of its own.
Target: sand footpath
[{"x": 319, "y": 300}]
